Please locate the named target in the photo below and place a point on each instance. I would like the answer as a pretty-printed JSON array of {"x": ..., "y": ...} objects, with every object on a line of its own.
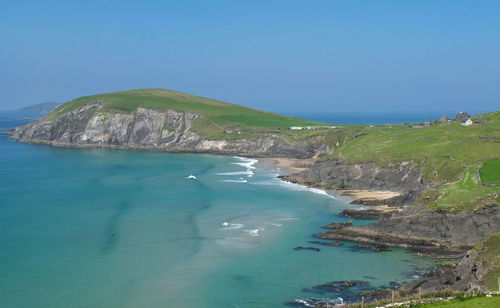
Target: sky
[{"x": 293, "y": 57}]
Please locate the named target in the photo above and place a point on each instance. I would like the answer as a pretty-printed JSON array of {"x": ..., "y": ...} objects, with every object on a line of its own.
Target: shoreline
[{"x": 291, "y": 166}]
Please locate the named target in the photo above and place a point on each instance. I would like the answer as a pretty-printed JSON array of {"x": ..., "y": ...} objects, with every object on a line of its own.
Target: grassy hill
[
  {"x": 447, "y": 153},
  {"x": 218, "y": 118}
]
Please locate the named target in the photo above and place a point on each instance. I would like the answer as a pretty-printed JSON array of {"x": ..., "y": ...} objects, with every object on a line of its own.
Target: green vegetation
[
  {"x": 465, "y": 194},
  {"x": 478, "y": 301},
  {"x": 491, "y": 260},
  {"x": 490, "y": 172},
  {"x": 219, "y": 119},
  {"x": 459, "y": 300},
  {"x": 447, "y": 154}
]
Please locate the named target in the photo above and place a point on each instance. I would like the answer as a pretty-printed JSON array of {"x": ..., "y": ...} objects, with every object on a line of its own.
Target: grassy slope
[
  {"x": 217, "y": 117},
  {"x": 490, "y": 171},
  {"x": 484, "y": 302},
  {"x": 491, "y": 260},
  {"x": 447, "y": 153}
]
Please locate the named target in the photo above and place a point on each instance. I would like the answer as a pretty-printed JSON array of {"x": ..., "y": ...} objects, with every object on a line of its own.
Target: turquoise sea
[{"x": 114, "y": 228}]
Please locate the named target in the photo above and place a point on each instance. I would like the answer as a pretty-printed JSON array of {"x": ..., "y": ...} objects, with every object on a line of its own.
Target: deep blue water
[
  {"x": 113, "y": 228},
  {"x": 363, "y": 117}
]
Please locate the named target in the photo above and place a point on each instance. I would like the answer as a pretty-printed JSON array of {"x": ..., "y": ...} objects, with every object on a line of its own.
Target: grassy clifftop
[
  {"x": 446, "y": 153},
  {"x": 217, "y": 117}
]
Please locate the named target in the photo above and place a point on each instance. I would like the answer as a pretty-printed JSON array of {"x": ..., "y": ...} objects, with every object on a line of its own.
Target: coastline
[{"x": 291, "y": 166}]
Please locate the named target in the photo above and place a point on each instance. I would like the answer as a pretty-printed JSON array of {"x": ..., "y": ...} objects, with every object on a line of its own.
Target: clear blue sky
[{"x": 286, "y": 56}]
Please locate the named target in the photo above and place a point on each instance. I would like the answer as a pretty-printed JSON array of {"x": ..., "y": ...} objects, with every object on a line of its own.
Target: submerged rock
[{"x": 307, "y": 248}]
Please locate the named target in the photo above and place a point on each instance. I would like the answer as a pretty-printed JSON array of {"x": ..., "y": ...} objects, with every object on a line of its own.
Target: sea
[{"x": 116, "y": 228}]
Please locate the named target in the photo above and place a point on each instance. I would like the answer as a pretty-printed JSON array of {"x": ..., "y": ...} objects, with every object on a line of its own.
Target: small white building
[
  {"x": 296, "y": 128},
  {"x": 467, "y": 122}
]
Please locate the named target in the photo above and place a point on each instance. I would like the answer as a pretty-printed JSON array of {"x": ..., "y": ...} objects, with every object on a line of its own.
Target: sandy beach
[{"x": 290, "y": 166}]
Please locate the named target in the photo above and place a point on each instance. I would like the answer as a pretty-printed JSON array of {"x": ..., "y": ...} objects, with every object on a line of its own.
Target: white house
[
  {"x": 467, "y": 122},
  {"x": 296, "y": 128}
]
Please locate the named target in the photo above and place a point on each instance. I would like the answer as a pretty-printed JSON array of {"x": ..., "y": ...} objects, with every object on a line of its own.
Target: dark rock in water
[
  {"x": 379, "y": 248},
  {"x": 442, "y": 234},
  {"x": 365, "y": 214},
  {"x": 335, "y": 243},
  {"x": 348, "y": 292},
  {"x": 325, "y": 243},
  {"x": 338, "y": 225},
  {"x": 368, "y": 247},
  {"x": 306, "y": 248},
  {"x": 340, "y": 287},
  {"x": 369, "y": 277}
]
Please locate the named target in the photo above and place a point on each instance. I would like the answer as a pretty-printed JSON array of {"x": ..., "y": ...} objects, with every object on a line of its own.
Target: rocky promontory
[
  {"x": 435, "y": 233},
  {"x": 92, "y": 126}
]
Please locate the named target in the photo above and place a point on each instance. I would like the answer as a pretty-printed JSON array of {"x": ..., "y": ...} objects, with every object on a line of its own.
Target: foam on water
[
  {"x": 231, "y": 226},
  {"x": 288, "y": 218},
  {"x": 235, "y": 181},
  {"x": 254, "y": 232},
  {"x": 248, "y": 173},
  {"x": 293, "y": 186},
  {"x": 246, "y": 162}
]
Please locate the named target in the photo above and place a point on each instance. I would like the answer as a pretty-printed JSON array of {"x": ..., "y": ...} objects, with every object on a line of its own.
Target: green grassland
[
  {"x": 460, "y": 300},
  {"x": 219, "y": 119},
  {"x": 491, "y": 260},
  {"x": 479, "y": 301},
  {"x": 448, "y": 154},
  {"x": 490, "y": 172}
]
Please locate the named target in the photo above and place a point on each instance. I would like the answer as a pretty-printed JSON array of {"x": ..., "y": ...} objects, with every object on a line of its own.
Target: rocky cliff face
[
  {"x": 339, "y": 175},
  {"x": 433, "y": 233},
  {"x": 90, "y": 126}
]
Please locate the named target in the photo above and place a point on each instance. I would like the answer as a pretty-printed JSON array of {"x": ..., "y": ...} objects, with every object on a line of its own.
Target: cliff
[
  {"x": 94, "y": 123},
  {"x": 441, "y": 234},
  {"x": 342, "y": 175}
]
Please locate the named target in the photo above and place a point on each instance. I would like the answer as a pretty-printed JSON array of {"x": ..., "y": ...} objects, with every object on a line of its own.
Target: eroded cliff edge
[{"x": 92, "y": 126}]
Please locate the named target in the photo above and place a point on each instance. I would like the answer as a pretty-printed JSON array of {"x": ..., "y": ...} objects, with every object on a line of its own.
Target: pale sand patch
[
  {"x": 293, "y": 164},
  {"x": 378, "y": 195}
]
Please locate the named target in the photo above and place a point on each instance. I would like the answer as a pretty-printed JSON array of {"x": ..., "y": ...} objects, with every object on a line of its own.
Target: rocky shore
[
  {"x": 437, "y": 234},
  {"x": 90, "y": 126}
]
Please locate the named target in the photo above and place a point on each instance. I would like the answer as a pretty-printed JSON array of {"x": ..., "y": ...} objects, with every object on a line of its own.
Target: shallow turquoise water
[{"x": 110, "y": 228}]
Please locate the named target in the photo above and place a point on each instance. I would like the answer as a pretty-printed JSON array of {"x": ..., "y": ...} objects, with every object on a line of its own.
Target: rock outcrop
[
  {"x": 92, "y": 126},
  {"x": 439, "y": 234},
  {"x": 341, "y": 175}
]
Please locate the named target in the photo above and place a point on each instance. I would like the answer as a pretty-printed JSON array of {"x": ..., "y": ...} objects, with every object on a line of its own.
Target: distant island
[
  {"x": 34, "y": 111},
  {"x": 434, "y": 186}
]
